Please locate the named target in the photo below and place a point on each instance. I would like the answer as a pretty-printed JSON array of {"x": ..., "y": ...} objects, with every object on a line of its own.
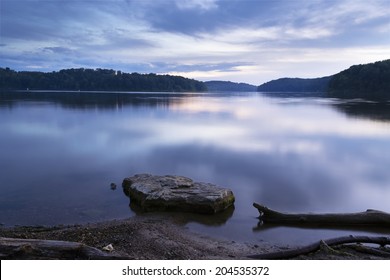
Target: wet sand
[{"x": 151, "y": 237}]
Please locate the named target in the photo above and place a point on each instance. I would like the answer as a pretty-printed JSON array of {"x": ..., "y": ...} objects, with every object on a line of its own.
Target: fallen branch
[
  {"x": 367, "y": 218},
  {"x": 368, "y": 250},
  {"x": 383, "y": 241},
  {"x": 15, "y": 248}
]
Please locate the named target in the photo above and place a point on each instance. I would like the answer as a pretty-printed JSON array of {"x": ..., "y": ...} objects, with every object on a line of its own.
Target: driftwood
[
  {"x": 317, "y": 245},
  {"x": 15, "y": 248},
  {"x": 382, "y": 252},
  {"x": 367, "y": 218}
]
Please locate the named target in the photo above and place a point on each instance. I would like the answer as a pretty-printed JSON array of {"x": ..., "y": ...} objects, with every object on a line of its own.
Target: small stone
[
  {"x": 113, "y": 186},
  {"x": 108, "y": 248}
]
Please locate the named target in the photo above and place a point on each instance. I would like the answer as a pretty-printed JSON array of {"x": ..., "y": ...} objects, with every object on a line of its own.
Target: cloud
[
  {"x": 58, "y": 50},
  {"x": 264, "y": 39},
  {"x": 197, "y": 4}
]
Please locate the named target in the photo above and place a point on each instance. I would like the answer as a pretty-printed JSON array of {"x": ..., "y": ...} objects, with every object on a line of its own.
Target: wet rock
[{"x": 176, "y": 193}]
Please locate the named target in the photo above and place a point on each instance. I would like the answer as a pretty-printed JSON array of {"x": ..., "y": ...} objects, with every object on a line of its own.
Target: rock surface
[{"x": 176, "y": 193}]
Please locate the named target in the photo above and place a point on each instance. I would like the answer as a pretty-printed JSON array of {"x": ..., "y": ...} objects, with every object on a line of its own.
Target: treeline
[
  {"x": 96, "y": 80},
  {"x": 370, "y": 81},
  {"x": 229, "y": 86},
  {"x": 296, "y": 85}
]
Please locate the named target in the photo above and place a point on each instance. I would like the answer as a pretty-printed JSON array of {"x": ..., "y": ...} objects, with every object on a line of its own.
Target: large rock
[{"x": 176, "y": 193}]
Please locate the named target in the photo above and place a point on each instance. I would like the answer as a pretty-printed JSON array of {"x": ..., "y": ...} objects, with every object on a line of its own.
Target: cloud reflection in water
[{"x": 296, "y": 156}]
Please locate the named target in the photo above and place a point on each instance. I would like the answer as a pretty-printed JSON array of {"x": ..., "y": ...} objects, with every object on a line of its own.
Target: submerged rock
[{"x": 176, "y": 193}]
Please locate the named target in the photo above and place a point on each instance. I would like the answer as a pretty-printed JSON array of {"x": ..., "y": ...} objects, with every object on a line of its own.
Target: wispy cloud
[
  {"x": 240, "y": 40},
  {"x": 195, "y": 4}
]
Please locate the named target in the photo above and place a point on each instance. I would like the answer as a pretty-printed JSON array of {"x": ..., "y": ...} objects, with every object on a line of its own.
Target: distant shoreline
[{"x": 97, "y": 91}]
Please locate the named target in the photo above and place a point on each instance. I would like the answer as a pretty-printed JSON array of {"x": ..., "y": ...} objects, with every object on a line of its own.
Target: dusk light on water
[
  {"x": 292, "y": 154},
  {"x": 195, "y": 129}
]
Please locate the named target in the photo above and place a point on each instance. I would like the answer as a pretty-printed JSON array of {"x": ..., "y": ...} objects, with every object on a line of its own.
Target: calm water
[{"x": 59, "y": 152}]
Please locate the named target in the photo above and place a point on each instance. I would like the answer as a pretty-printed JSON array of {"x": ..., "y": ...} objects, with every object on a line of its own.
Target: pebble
[{"x": 108, "y": 248}]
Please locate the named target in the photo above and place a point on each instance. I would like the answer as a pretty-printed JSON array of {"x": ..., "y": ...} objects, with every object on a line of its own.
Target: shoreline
[
  {"x": 154, "y": 238},
  {"x": 139, "y": 237}
]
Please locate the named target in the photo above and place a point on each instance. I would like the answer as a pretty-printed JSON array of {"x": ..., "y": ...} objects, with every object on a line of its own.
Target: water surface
[{"x": 60, "y": 152}]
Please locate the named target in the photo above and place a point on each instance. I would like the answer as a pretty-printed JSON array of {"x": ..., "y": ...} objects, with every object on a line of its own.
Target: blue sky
[{"x": 251, "y": 41}]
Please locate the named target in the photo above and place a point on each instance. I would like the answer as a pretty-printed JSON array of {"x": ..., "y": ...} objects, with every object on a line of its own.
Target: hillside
[
  {"x": 96, "y": 80},
  {"x": 371, "y": 81},
  {"x": 229, "y": 86},
  {"x": 317, "y": 85}
]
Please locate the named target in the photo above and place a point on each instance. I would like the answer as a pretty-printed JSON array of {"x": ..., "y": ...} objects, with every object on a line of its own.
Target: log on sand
[
  {"x": 329, "y": 242},
  {"x": 367, "y": 218},
  {"x": 15, "y": 248},
  {"x": 370, "y": 218}
]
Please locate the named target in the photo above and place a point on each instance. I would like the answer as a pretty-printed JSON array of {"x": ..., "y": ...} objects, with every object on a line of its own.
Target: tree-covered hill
[
  {"x": 96, "y": 79},
  {"x": 368, "y": 81},
  {"x": 371, "y": 81},
  {"x": 295, "y": 85},
  {"x": 229, "y": 86}
]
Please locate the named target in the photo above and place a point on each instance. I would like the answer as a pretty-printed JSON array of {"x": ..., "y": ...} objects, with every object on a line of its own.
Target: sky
[{"x": 251, "y": 41}]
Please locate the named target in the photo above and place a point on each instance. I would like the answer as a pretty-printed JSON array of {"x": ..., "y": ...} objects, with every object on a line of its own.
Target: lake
[{"x": 59, "y": 153}]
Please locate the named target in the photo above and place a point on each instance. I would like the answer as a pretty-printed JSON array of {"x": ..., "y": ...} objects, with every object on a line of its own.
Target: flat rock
[{"x": 176, "y": 193}]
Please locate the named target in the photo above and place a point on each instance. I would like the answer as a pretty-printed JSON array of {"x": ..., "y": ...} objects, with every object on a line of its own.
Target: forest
[
  {"x": 370, "y": 81},
  {"x": 295, "y": 85},
  {"x": 229, "y": 86},
  {"x": 96, "y": 80}
]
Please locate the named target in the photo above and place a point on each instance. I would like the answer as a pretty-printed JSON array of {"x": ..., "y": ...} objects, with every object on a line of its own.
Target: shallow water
[{"x": 61, "y": 151}]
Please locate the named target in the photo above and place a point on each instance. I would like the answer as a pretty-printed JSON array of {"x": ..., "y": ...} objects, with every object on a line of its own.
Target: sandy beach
[{"x": 150, "y": 237}]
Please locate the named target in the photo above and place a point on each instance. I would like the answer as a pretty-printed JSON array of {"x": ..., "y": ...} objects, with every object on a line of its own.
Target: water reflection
[
  {"x": 261, "y": 227},
  {"x": 215, "y": 220},
  {"x": 89, "y": 100},
  {"x": 373, "y": 110},
  {"x": 59, "y": 154}
]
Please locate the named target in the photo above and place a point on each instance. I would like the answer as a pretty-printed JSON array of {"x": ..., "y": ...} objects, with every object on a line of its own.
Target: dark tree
[
  {"x": 370, "y": 81},
  {"x": 296, "y": 85},
  {"x": 96, "y": 80}
]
